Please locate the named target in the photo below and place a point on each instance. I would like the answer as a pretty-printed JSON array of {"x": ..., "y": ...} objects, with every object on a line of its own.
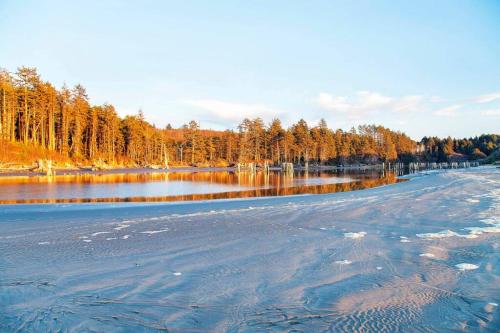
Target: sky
[{"x": 421, "y": 67}]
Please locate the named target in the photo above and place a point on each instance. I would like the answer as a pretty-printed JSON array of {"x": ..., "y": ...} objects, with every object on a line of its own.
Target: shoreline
[{"x": 13, "y": 172}]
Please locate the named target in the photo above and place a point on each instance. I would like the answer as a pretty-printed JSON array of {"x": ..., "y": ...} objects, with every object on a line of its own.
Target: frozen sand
[{"x": 308, "y": 263}]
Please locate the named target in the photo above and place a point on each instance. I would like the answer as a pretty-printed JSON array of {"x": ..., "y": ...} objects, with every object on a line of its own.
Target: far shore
[{"x": 20, "y": 172}]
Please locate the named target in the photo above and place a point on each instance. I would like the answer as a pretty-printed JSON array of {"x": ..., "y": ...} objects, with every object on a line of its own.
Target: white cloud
[
  {"x": 448, "y": 111},
  {"x": 334, "y": 103},
  {"x": 372, "y": 100},
  {"x": 366, "y": 101},
  {"x": 491, "y": 112},
  {"x": 408, "y": 103},
  {"x": 234, "y": 111},
  {"x": 488, "y": 97}
]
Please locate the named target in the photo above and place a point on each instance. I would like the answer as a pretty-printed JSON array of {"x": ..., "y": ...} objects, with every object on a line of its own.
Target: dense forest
[{"x": 62, "y": 124}]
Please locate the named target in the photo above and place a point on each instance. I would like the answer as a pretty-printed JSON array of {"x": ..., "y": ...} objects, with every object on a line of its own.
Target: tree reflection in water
[{"x": 246, "y": 185}]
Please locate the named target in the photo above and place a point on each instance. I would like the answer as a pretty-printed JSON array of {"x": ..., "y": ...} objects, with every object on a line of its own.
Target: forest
[{"x": 37, "y": 119}]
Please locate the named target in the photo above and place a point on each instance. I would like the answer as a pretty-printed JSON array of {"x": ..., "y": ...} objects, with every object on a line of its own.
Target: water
[
  {"x": 395, "y": 258},
  {"x": 143, "y": 186}
]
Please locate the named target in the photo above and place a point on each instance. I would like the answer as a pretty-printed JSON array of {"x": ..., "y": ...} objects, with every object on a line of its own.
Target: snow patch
[
  {"x": 126, "y": 237},
  {"x": 43, "y": 243},
  {"x": 427, "y": 255},
  {"x": 177, "y": 273}
]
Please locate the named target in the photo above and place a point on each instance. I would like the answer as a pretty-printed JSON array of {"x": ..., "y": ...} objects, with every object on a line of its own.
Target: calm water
[{"x": 179, "y": 186}]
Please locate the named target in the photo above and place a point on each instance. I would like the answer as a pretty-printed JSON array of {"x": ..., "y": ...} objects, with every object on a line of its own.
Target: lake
[{"x": 144, "y": 185}]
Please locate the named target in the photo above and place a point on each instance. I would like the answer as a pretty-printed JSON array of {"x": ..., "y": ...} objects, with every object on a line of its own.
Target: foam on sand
[
  {"x": 100, "y": 233},
  {"x": 438, "y": 235},
  {"x": 343, "y": 262},
  {"x": 121, "y": 226},
  {"x": 481, "y": 230},
  {"x": 466, "y": 266},
  {"x": 355, "y": 235},
  {"x": 404, "y": 239},
  {"x": 152, "y": 232}
]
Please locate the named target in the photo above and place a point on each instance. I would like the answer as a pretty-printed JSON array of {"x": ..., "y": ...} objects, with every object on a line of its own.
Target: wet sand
[{"x": 417, "y": 256}]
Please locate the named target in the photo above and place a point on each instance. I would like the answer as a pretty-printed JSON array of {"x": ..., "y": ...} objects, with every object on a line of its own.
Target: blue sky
[{"x": 422, "y": 67}]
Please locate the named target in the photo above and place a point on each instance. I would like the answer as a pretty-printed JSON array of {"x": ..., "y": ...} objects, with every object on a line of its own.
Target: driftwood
[
  {"x": 287, "y": 168},
  {"x": 45, "y": 166}
]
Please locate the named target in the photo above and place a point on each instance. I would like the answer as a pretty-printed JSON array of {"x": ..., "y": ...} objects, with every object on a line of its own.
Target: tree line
[{"x": 33, "y": 112}]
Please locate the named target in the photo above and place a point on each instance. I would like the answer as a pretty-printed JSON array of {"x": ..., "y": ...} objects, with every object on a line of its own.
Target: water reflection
[{"x": 179, "y": 186}]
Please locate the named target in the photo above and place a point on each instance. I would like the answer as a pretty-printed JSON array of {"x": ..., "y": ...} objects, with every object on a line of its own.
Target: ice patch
[
  {"x": 87, "y": 240},
  {"x": 466, "y": 267},
  {"x": 343, "y": 262},
  {"x": 43, "y": 243},
  {"x": 152, "y": 232},
  {"x": 177, "y": 273},
  {"x": 355, "y": 235},
  {"x": 378, "y": 268},
  {"x": 322, "y": 228},
  {"x": 126, "y": 237},
  {"x": 111, "y": 238},
  {"x": 427, "y": 255},
  {"x": 83, "y": 237}
]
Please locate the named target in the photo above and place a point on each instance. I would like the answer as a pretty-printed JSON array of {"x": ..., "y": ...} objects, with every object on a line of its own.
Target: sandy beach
[{"x": 421, "y": 255}]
